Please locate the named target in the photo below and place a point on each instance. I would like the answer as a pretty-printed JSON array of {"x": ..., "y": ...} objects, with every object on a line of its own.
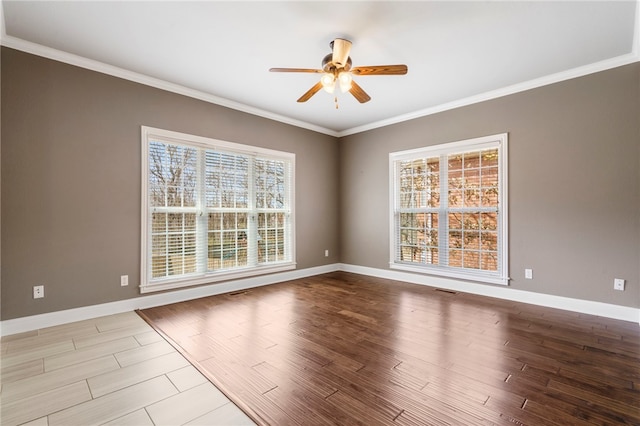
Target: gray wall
[
  {"x": 574, "y": 183},
  {"x": 71, "y": 172},
  {"x": 70, "y": 202}
]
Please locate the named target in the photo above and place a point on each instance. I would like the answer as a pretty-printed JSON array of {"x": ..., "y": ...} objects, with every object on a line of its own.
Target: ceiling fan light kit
[
  {"x": 328, "y": 82},
  {"x": 336, "y": 66},
  {"x": 345, "y": 79}
]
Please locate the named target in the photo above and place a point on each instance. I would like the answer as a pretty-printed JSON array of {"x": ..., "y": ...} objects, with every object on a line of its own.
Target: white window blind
[
  {"x": 449, "y": 209},
  {"x": 213, "y": 210}
]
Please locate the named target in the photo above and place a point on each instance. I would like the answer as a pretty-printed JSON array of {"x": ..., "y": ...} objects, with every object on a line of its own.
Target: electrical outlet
[
  {"x": 124, "y": 280},
  {"x": 38, "y": 291},
  {"x": 618, "y": 284},
  {"x": 326, "y": 253},
  {"x": 528, "y": 274}
]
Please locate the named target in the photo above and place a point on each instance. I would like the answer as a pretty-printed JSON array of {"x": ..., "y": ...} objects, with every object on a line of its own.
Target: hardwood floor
[
  {"x": 113, "y": 370},
  {"x": 347, "y": 349}
]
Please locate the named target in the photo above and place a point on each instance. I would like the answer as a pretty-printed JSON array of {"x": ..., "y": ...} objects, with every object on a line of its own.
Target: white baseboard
[
  {"x": 20, "y": 325},
  {"x": 607, "y": 310}
]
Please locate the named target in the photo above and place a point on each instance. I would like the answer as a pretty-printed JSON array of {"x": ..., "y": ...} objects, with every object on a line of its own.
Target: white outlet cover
[
  {"x": 618, "y": 284},
  {"x": 528, "y": 274},
  {"x": 38, "y": 291}
]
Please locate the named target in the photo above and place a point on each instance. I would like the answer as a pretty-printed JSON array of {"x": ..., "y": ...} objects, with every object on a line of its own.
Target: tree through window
[
  {"x": 449, "y": 209},
  {"x": 213, "y": 209}
]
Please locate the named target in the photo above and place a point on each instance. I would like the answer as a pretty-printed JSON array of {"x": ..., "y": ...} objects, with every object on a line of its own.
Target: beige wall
[
  {"x": 574, "y": 183},
  {"x": 71, "y": 179}
]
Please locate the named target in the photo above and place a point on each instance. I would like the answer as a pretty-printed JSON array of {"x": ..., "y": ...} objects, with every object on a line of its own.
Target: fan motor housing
[{"x": 330, "y": 67}]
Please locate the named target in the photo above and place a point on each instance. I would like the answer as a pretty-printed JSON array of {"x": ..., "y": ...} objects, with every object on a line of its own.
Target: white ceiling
[{"x": 457, "y": 52}]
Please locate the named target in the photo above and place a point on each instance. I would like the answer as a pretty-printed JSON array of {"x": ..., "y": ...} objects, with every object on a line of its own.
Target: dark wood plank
[{"x": 343, "y": 348}]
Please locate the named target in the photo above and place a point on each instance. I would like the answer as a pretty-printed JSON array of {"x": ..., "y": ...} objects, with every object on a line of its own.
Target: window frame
[
  {"x": 499, "y": 141},
  {"x": 147, "y": 283}
]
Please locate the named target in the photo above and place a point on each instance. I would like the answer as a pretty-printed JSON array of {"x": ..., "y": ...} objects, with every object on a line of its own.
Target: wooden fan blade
[
  {"x": 341, "y": 49},
  {"x": 358, "y": 93},
  {"x": 380, "y": 70},
  {"x": 294, "y": 70},
  {"x": 310, "y": 92}
]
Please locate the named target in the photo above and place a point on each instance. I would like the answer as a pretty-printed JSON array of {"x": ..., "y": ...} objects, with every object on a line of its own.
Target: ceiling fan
[{"x": 336, "y": 68}]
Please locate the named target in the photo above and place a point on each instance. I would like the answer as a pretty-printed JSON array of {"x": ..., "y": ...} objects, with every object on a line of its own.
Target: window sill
[
  {"x": 448, "y": 273},
  {"x": 200, "y": 279}
]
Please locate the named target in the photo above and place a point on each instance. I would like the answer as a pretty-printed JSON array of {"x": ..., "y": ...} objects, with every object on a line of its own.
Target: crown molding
[
  {"x": 494, "y": 94},
  {"x": 43, "y": 51},
  {"x": 90, "y": 64},
  {"x": 629, "y": 58}
]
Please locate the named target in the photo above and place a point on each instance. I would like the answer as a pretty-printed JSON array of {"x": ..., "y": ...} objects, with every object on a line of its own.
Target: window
[
  {"x": 213, "y": 210},
  {"x": 449, "y": 209}
]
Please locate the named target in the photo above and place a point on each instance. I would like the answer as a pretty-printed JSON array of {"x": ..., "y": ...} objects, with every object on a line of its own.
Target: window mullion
[
  {"x": 201, "y": 214},
  {"x": 443, "y": 216},
  {"x": 288, "y": 241},
  {"x": 252, "y": 223}
]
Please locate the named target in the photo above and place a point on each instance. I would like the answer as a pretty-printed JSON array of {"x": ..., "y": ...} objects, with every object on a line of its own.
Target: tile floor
[{"x": 113, "y": 370}]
